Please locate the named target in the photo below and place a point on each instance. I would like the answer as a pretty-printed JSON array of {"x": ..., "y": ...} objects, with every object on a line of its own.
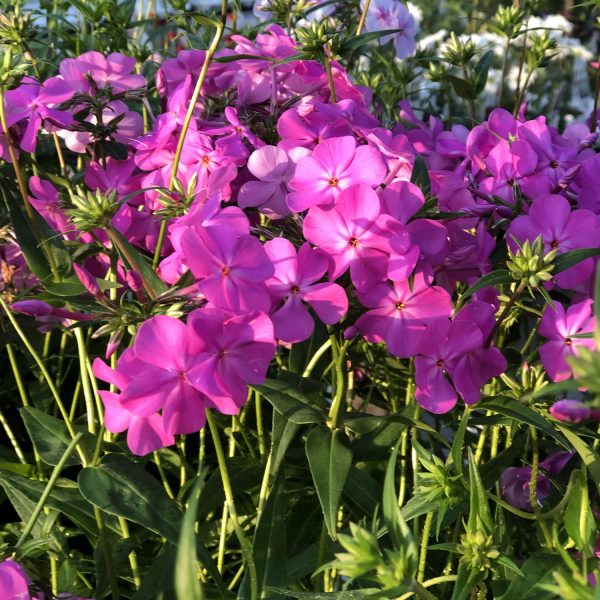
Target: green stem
[
  {"x": 424, "y": 545},
  {"x": 338, "y": 405},
  {"x": 220, "y": 27},
  {"x": 83, "y": 373},
  {"x": 12, "y": 439},
  {"x": 230, "y": 503},
  {"x": 535, "y": 463},
  {"x": 49, "y": 381},
  {"x": 430, "y": 583},
  {"x": 333, "y": 98},
  {"x": 48, "y": 490},
  {"x": 135, "y": 571},
  {"x": 17, "y": 373},
  {"x": 316, "y": 358}
]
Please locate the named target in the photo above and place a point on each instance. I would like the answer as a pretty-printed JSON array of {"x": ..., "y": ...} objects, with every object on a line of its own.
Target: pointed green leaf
[
  {"x": 330, "y": 459},
  {"x": 579, "y": 520}
]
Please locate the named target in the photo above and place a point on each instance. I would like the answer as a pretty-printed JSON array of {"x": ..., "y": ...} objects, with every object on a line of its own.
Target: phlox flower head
[
  {"x": 293, "y": 286},
  {"x": 573, "y": 411},
  {"x": 515, "y": 481},
  {"x": 393, "y": 14},
  {"x": 559, "y": 326},
  {"x": 334, "y": 165}
]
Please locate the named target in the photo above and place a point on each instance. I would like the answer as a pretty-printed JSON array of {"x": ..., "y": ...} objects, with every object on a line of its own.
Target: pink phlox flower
[
  {"x": 14, "y": 270},
  {"x": 46, "y": 201},
  {"x": 573, "y": 411},
  {"x": 113, "y": 175},
  {"x": 231, "y": 268},
  {"x": 396, "y": 150},
  {"x": 402, "y": 200},
  {"x": 294, "y": 284},
  {"x": 356, "y": 114},
  {"x": 308, "y": 128},
  {"x": 232, "y": 352},
  {"x": 174, "y": 71},
  {"x": 355, "y": 235},
  {"x": 273, "y": 168},
  {"x": 35, "y": 102},
  {"x": 235, "y": 128},
  {"x": 112, "y": 71},
  {"x": 334, "y": 165},
  {"x": 400, "y": 314},
  {"x": 14, "y": 583},
  {"x": 559, "y": 327},
  {"x": 145, "y": 434}
]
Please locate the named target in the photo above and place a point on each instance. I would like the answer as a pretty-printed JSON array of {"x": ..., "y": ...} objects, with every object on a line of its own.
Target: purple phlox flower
[
  {"x": 273, "y": 167},
  {"x": 396, "y": 150},
  {"x": 513, "y": 164},
  {"x": 34, "y": 101},
  {"x": 231, "y": 268},
  {"x": 112, "y": 71},
  {"x": 14, "y": 271},
  {"x": 560, "y": 327},
  {"x": 562, "y": 230},
  {"x": 573, "y": 411},
  {"x": 451, "y": 358},
  {"x": 293, "y": 285},
  {"x": 355, "y": 235},
  {"x": 145, "y": 434},
  {"x": 235, "y": 128},
  {"x": 400, "y": 314},
  {"x": 588, "y": 184},
  {"x": 355, "y": 113},
  {"x": 334, "y": 165},
  {"x": 515, "y": 481},
  {"x": 391, "y": 14},
  {"x": 174, "y": 71}
]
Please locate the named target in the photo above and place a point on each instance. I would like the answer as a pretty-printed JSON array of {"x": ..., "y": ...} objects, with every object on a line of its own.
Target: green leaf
[
  {"x": 456, "y": 452},
  {"x": 330, "y": 459},
  {"x": 358, "y": 41},
  {"x": 288, "y": 401},
  {"x": 566, "y": 260},
  {"x": 467, "y": 580},
  {"x": 187, "y": 584},
  {"x": 395, "y": 523},
  {"x": 500, "y": 276},
  {"x": 462, "y": 87},
  {"x": 122, "y": 487},
  {"x": 579, "y": 520},
  {"x": 537, "y": 569},
  {"x": 480, "y": 71},
  {"x": 418, "y": 505},
  {"x": 479, "y": 509},
  {"x": 347, "y": 595},
  {"x": 24, "y": 494},
  {"x": 50, "y": 436},
  {"x": 158, "y": 580},
  {"x": 420, "y": 175},
  {"x": 269, "y": 546},
  {"x": 509, "y": 407}
]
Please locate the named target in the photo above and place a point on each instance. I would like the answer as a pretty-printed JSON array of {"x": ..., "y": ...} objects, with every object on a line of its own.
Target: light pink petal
[
  {"x": 269, "y": 163},
  {"x": 292, "y": 321},
  {"x": 147, "y": 434},
  {"x": 162, "y": 342},
  {"x": 368, "y": 167}
]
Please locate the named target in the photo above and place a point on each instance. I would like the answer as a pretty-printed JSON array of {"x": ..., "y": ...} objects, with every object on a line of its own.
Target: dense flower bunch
[
  {"x": 224, "y": 220},
  {"x": 273, "y": 232}
]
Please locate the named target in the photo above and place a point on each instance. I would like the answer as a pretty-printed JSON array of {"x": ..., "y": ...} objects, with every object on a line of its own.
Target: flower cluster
[{"x": 285, "y": 206}]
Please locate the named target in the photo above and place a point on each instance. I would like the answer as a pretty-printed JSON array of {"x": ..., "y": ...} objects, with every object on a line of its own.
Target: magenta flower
[
  {"x": 515, "y": 481},
  {"x": 273, "y": 168},
  {"x": 400, "y": 314},
  {"x": 293, "y": 284},
  {"x": 559, "y": 327},
  {"x": 164, "y": 351},
  {"x": 354, "y": 235},
  {"x": 562, "y": 230},
  {"x": 145, "y": 434},
  {"x": 334, "y": 165},
  {"x": 92, "y": 71},
  {"x": 232, "y": 268},
  {"x": 34, "y": 101},
  {"x": 307, "y": 127},
  {"x": 573, "y": 411},
  {"x": 14, "y": 583},
  {"x": 231, "y": 352}
]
